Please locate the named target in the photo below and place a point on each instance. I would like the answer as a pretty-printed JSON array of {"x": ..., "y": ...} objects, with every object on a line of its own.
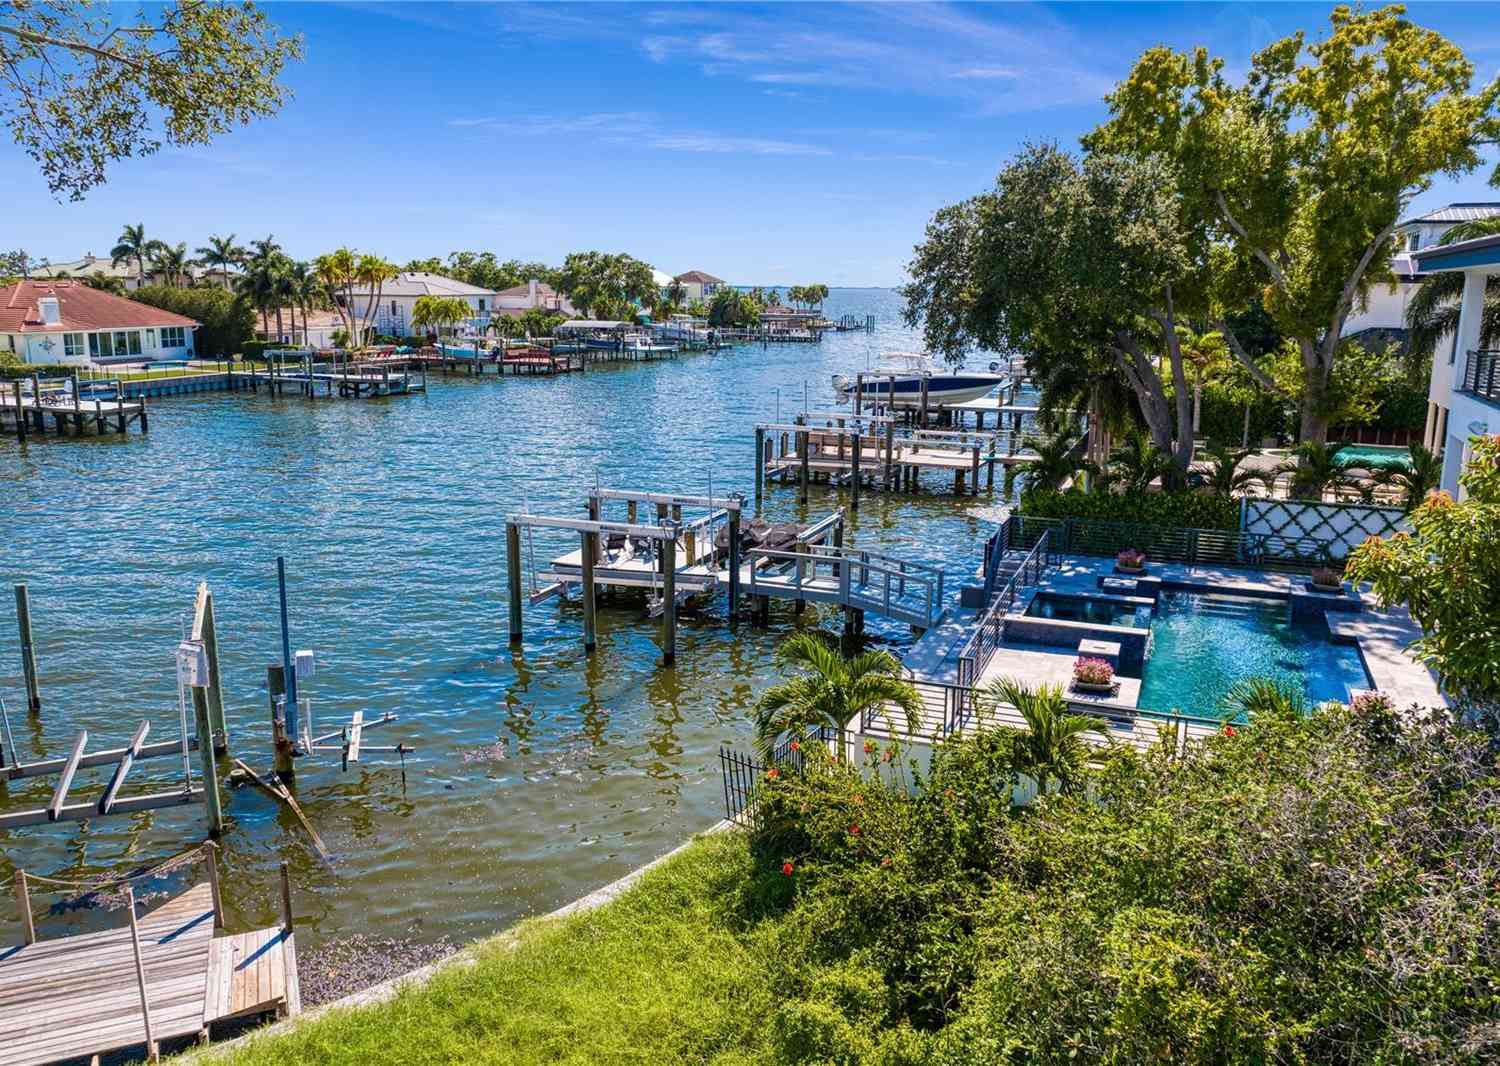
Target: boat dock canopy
[{"x": 592, "y": 323}]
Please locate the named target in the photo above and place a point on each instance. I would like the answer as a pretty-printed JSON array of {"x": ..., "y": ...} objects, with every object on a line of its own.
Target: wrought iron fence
[
  {"x": 1481, "y": 375},
  {"x": 745, "y": 773}
]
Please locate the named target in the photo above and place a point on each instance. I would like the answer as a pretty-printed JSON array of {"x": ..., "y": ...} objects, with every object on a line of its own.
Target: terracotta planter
[
  {"x": 1095, "y": 687},
  {"x": 1121, "y": 568},
  {"x": 1339, "y": 588}
]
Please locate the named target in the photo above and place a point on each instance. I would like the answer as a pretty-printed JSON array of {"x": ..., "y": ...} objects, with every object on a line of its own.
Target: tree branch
[
  {"x": 41, "y": 39},
  {"x": 1263, "y": 379},
  {"x": 1277, "y": 274},
  {"x": 1351, "y": 287}
]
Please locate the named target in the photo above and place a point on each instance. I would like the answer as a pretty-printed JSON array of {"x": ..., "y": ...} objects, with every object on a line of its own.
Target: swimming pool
[
  {"x": 1374, "y": 457},
  {"x": 1079, "y": 609},
  {"x": 1202, "y": 644}
]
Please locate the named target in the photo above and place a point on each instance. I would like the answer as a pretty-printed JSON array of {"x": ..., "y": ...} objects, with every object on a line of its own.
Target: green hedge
[
  {"x": 11, "y": 371},
  {"x": 1186, "y": 510}
]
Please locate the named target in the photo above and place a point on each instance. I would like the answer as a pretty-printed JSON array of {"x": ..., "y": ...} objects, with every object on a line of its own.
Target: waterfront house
[
  {"x": 697, "y": 285},
  {"x": 1463, "y": 401},
  {"x": 1385, "y": 304},
  {"x": 315, "y": 331},
  {"x": 64, "y": 320},
  {"x": 91, "y": 266},
  {"x": 533, "y": 294},
  {"x": 398, "y": 297}
]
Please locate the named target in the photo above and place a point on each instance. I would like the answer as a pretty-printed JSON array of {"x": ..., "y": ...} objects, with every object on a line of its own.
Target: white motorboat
[{"x": 899, "y": 378}]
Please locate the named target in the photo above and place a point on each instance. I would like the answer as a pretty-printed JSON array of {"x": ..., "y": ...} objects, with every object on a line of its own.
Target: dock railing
[
  {"x": 987, "y": 636},
  {"x": 896, "y": 588}
]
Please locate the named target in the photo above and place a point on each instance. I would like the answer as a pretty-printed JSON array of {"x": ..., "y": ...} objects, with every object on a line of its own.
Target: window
[
  {"x": 481, "y": 303},
  {"x": 127, "y": 342},
  {"x": 393, "y": 307},
  {"x": 73, "y": 345},
  {"x": 99, "y": 346},
  {"x": 173, "y": 337}
]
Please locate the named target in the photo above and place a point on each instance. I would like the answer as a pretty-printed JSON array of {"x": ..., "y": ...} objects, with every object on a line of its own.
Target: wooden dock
[
  {"x": 172, "y": 973},
  {"x": 25, "y": 413}
]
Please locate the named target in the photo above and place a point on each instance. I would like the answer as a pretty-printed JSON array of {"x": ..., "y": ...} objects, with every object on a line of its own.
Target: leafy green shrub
[
  {"x": 11, "y": 371},
  {"x": 1185, "y": 510}
]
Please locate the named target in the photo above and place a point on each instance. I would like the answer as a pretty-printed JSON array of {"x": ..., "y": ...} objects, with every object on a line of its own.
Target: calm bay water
[{"x": 540, "y": 774}]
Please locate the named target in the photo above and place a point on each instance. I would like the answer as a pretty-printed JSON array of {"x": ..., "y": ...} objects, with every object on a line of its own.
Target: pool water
[
  {"x": 1374, "y": 456},
  {"x": 1099, "y": 612},
  {"x": 1202, "y": 644}
]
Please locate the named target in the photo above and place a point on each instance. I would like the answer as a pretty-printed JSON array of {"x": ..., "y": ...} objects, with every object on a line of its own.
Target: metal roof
[{"x": 1465, "y": 212}]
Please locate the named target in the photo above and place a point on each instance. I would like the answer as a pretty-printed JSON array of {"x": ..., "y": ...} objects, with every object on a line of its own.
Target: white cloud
[
  {"x": 985, "y": 73},
  {"x": 638, "y": 127}
]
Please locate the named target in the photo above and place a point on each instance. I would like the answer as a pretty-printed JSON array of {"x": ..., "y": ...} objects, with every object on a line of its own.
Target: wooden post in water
[
  {"x": 513, "y": 575},
  {"x": 974, "y": 472},
  {"x": 760, "y": 464},
  {"x": 890, "y": 452},
  {"x": 854, "y": 466},
  {"x": 140, "y": 966},
  {"x": 211, "y": 868},
  {"x": 211, "y": 799},
  {"x": 281, "y": 744},
  {"x": 20, "y": 410},
  {"x": 669, "y": 602},
  {"x": 734, "y": 562},
  {"x": 286, "y": 897},
  {"x": 859, "y": 392},
  {"x": 924, "y": 401},
  {"x": 23, "y": 902},
  {"x": 28, "y": 649},
  {"x": 203, "y": 631},
  {"x": 590, "y": 550},
  {"x": 802, "y": 461}
]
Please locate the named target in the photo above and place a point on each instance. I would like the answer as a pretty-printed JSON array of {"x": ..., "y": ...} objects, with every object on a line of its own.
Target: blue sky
[{"x": 765, "y": 143}]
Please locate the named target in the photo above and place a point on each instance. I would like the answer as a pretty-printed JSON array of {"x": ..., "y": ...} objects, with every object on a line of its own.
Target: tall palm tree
[
  {"x": 1432, "y": 313},
  {"x": 1052, "y": 748},
  {"x": 830, "y": 689},
  {"x": 1204, "y": 352},
  {"x": 435, "y": 312},
  {"x": 170, "y": 261},
  {"x": 223, "y": 253},
  {"x": 1315, "y": 469},
  {"x": 133, "y": 245},
  {"x": 304, "y": 290},
  {"x": 258, "y": 285}
]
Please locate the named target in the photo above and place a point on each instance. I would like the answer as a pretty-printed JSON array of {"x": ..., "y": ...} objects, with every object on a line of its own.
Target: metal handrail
[
  {"x": 986, "y": 637},
  {"x": 855, "y": 570}
]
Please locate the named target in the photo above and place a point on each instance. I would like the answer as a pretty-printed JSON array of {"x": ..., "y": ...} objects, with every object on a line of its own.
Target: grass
[{"x": 658, "y": 975}]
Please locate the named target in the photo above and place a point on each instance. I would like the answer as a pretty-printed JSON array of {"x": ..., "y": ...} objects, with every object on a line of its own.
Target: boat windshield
[{"x": 905, "y": 362}]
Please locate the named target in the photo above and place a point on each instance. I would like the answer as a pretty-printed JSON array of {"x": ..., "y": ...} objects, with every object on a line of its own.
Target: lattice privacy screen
[{"x": 1343, "y": 526}]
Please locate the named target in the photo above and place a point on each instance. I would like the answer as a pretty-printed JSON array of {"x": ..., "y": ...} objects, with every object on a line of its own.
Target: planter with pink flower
[
  {"x": 1327, "y": 579},
  {"x": 1131, "y": 561},
  {"x": 1093, "y": 675}
]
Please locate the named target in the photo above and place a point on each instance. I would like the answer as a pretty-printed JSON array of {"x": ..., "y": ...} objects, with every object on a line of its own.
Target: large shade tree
[
  {"x": 85, "y": 84},
  {"x": 1085, "y": 266},
  {"x": 599, "y": 279},
  {"x": 1300, "y": 173}
]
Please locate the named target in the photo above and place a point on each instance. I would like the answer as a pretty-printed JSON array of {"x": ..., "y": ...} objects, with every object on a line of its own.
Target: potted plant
[
  {"x": 1131, "y": 561},
  {"x": 1093, "y": 675},
  {"x": 1327, "y": 579}
]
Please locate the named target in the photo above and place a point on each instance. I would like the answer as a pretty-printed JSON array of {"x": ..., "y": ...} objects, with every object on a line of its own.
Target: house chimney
[
  {"x": 531, "y": 293},
  {"x": 51, "y": 312}
]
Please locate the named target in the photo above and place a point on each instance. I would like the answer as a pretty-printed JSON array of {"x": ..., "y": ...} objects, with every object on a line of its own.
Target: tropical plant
[
  {"x": 304, "y": 290},
  {"x": 170, "y": 262},
  {"x": 105, "y": 283},
  {"x": 1315, "y": 469},
  {"x": 1052, "y": 748},
  {"x": 1206, "y": 353},
  {"x": 595, "y": 279},
  {"x": 1254, "y": 696},
  {"x": 830, "y": 689},
  {"x": 1423, "y": 473},
  {"x": 1223, "y": 477},
  {"x": 1432, "y": 313},
  {"x": 347, "y": 274},
  {"x": 676, "y": 292},
  {"x": 1447, "y": 572},
  {"x": 223, "y": 253},
  {"x": 435, "y": 312},
  {"x": 1056, "y": 461},
  {"x": 1137, "y": 463},
  {"x": 133, "y": 246}
]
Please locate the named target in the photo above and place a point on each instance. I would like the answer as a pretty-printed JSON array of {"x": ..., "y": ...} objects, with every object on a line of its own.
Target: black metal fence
[
  {"x": 1225, "y": 547},
  {"x": 745, "y": 773}
]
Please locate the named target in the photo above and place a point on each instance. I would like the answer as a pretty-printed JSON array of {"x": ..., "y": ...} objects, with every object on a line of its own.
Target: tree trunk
[
  {"x": 1197, "y": 402},
  {"x": 1313, "y": 425},
  {"x": 278, "y": 323}
]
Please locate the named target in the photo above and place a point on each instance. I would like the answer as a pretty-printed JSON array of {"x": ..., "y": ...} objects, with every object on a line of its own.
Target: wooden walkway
[{"x": 78, "y": 996}]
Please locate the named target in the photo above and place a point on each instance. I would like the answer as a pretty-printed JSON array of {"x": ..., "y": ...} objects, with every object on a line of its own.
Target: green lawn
[{"x": 655, "y": 976}]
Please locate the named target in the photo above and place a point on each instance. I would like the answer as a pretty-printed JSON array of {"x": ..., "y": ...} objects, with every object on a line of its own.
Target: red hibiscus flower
[{"x": 786, "y": 869}]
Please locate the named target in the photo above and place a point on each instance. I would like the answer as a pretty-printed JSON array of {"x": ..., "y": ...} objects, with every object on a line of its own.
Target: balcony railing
[{"x": 1481, "y": 375}]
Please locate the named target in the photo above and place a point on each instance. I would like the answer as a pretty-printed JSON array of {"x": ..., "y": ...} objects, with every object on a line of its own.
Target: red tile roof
[{"x": 81, "y": 309}]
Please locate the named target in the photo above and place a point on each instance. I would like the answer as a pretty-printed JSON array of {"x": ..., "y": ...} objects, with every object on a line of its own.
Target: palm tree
[
  {"x": 223, "y": 253},
  {"x": 1052, "y": 747},
  {"x": 1055, "y": 463},
  {"x": 1315, "y": 469},
  {"x": 170, "y": 261},
  {"x": 1433, "y": 311},
  {"x": 1224, "y": 476},
  {"x": 1204, "y": 352},
  {"x": 435, "y": 312},
  {"x": 1264, "y": 695},
  {"x": 1423, "y": 475},
  {"x": 258, "y": 285},
  {"x": 133, "y": 245},
  {"x": 830, "y": 690},
  {"x": 303, "y": 290},
  {"x": 1137, "y": 463}
]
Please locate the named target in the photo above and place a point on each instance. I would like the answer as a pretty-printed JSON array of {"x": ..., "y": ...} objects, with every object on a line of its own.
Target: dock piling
[
  {"x": 760, "y": 466},
  {"x": 669, "y": 602},
  {"x": 734, "y": 561},
  {"x": 28, "y": 649},
  {"x": 23, "y": 904},
  {"x": 802, "y": 461},
  {"x": 513, "y": 575},
  {"x": 590, "y": 551},
  {"x": 140, "y": 966},
  {"x": 281, "y": 744},
  {"x": 212, "y": 802},
  {"x": 854, "y": 480}
]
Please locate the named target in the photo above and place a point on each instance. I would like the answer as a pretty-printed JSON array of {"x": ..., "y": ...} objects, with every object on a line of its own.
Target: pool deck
[{"x": 1382, "y": 636}]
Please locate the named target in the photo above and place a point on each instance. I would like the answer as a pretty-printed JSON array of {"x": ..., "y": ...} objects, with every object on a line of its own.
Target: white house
[
  {"x": 1385, "y": 304},
  {"x": 65, "y": 321},
  {"x": 698, "y": 285},
  {"x": 1464, "y": 399},
  {"x": 534, "y": 293},
  {"x": 315, "y": 330},
  {"x": 399, "y": 296}
]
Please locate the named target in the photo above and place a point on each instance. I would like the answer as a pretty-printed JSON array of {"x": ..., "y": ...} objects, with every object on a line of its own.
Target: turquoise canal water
[{"x": 540, "y": 774}]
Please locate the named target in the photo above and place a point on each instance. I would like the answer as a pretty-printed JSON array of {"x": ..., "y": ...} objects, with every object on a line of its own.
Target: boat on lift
[{"x": 898, "y": 380}]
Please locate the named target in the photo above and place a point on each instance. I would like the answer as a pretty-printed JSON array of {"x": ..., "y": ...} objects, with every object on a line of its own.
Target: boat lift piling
[{"x": 28, "y": 649}]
